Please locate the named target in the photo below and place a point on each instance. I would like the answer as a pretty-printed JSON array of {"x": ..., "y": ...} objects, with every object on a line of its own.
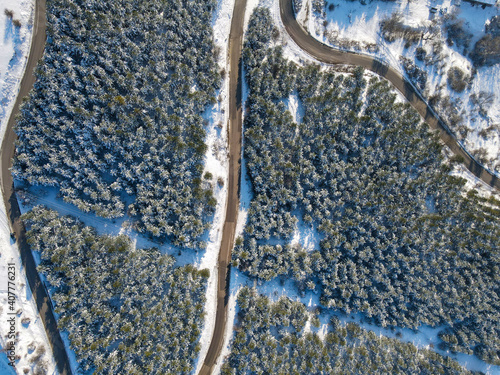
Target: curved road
[
  {"x": 307, "y": 43},
  {"x": 330, "y": 55},
  {"x": 42, "y": 300}
]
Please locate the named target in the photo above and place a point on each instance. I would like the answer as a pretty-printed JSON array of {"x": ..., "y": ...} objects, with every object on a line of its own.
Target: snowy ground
[
  {"x": 353, "y": 26},
  {"x": 215, "y": 163},
  {"x": 32, "y": 346},
  {"x": 425, "y": 337},
  {"x": 14, "y": 51}
]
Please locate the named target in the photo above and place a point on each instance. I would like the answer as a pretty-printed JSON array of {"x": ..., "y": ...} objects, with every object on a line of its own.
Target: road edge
[{"x": 40, "y": 294}]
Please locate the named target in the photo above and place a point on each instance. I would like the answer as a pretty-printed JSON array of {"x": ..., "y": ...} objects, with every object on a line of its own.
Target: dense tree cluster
[
  {"x": 126, "y": 310},
  {"x": 458, "y": 35},
  {"x": 399, "y": 240},
  {"x": 115, "y": 115},
  {"x": 416, "y": 75},
  {"x": 457, "y": 79},
  {"x": 393, "y": 28},
  {"x": 487, "y": 49},
  {"x": 270, "y": 339}
]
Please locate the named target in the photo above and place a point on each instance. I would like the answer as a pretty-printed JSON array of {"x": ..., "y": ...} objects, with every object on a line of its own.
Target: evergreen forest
[
  {"x": 126, "y": 310},
  {"x": 115, "y": 117},
  {"x": 271, "y": 338},
  {"x": 400, "y": 239}
]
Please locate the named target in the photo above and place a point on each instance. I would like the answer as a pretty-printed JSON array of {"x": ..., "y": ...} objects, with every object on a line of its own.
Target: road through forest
[
  {"x": 232, "y": 205},
  {"x": 42, "y": 300},
  {"x": 331, "y": 55},
  {"x": 305, "y": 41},
  {"x": 328, "y": 55}
]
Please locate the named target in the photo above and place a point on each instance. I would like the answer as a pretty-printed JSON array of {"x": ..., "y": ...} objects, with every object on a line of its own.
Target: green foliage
[
  {"x": 399, "y": 241},
  {"x": 126, "y": 310},
  {"x": 116, "y": 111},
  {"x": 264, "y": 343}
]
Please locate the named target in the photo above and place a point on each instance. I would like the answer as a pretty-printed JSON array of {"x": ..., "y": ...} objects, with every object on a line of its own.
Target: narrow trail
[
  {"x": 42, "y": 300},
  {"x": 331, "y": 55},
  {"x": 234, "y": 140}
]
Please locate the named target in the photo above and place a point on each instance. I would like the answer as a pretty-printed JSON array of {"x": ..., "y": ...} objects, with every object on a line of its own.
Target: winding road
[
  {"x": 331, "y": 55},
  {"x": 305, "y": 41},
  {"x": 42, "y": 300},
  {"x": 325, "y": 54}
]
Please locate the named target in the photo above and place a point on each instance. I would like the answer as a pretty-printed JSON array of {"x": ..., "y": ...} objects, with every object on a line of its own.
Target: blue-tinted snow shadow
[
  {"x": 246, "y": 191},
  {"x": 13, "y": 33},
  {"x": 47, "y": 196},
  {"x": 5, "y": 369},
  {"x": 8, "y": 31}
]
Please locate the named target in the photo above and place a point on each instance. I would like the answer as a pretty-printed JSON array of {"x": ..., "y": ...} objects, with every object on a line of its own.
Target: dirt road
[
  {"x": 234, "y": 140},
  {"x": 12, "y": 207},
  {"x": 330, "y": 55}
]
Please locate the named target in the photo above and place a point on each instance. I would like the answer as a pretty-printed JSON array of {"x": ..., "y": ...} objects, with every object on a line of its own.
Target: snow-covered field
[
  {"x": 354, "y": 26},
  {"x": 32, "y": 348}
]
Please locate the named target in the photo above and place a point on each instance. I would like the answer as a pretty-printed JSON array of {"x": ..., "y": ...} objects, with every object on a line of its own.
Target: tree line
[{"x": 401, "y": 241}]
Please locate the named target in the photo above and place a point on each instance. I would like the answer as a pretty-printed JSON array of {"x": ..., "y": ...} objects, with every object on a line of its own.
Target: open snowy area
[
  {"x": 440, "y": 35},
  {"x": 15, "y": 39}
]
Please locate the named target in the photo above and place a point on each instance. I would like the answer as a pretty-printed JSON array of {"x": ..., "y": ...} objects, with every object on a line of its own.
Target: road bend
[
  {"x": 331, "y": 55},
  {"x": 38, "y": 290}
]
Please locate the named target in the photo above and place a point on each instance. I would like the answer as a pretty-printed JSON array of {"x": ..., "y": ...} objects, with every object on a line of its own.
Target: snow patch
[
  {"x": 32, "y": 339},
  {"x": 307, "y": 236}
]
